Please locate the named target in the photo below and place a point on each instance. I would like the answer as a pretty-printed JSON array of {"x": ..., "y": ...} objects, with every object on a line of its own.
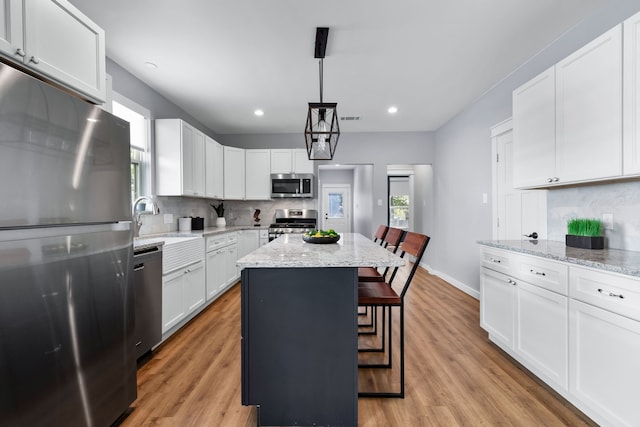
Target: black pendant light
[{"x": 322, "y": 129}]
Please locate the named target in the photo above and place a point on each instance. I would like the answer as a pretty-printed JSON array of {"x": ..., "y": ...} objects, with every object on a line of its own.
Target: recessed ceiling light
[
  {"x": 259, "y": 113},
  {"x": 392, "y": 110},
  {"x": 151, "y": 65}
]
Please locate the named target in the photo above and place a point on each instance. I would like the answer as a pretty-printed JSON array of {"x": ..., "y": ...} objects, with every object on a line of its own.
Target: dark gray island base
[{"x": 299, "y": 345}]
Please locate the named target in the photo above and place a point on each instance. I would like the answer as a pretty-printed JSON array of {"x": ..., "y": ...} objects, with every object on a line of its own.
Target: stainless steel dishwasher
[{"x": 147, "y": 273}]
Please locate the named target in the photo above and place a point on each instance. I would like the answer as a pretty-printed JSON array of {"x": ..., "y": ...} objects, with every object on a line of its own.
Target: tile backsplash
[
  {"x": 620, "y": 199},
  {"x": 237, "y": 212}
]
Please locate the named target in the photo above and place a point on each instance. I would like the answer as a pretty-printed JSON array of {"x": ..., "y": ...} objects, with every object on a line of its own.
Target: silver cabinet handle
[
  {"x": 610, "y": 294},
  {"x": 34, "y": 60},
  {"x": 549, "y": 179},
  {"x": 497, "y": 261},
  {"x": 556, "y": 179},
  {"x": 537, "y": 273},
  {"x": 511, "y": 281},
  {"x": 20, "y": 52}
]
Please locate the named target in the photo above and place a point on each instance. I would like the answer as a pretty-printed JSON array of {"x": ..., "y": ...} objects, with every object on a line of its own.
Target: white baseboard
[{"x": 463, "y": 287}]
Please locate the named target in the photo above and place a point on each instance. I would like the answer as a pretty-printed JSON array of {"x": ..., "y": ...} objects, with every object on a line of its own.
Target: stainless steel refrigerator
[{"x": 67, "y": 355}]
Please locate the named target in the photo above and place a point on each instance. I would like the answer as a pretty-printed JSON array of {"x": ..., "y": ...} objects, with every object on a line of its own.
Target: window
[
  {"x": 399, "y": 201},
  {"x": 139, "y": 139}
]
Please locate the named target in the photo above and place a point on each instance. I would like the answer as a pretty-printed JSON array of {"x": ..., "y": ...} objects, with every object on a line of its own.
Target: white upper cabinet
[
  {"x": 589, "y": 111},
  {"x": 258, "y": 175},
  {"x": 301, "y": 162},
  {"x": 290, "y": 161},
  {"x": 214, "y": 169},
  {"x": 534, "y": 131},
  {"x": 631, "y": 96},
  {"x": 234, "y": 173},
  {"x": 56, "y": 40},
  {"x": 180, "y": 159},
  {"x": 568, "y": 120}
]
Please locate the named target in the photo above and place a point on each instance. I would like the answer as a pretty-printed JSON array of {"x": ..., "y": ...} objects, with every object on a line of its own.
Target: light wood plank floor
[{"x": 454, "y": 375}]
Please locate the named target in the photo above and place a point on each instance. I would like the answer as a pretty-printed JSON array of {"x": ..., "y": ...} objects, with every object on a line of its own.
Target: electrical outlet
[{"x": 607, "y": 221}]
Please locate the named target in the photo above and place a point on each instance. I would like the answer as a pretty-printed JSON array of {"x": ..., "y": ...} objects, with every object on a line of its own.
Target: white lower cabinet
[
  {"x": 528, "y": 322},
  {"x": 497, "y": 305},
  {"x": 183, "y": 291},
  {"x": 542, "y": 334},
  {"x": 583, "y": 339},
  {"x": 222, "y": 254},
  {"x": 605, "y": 364}
]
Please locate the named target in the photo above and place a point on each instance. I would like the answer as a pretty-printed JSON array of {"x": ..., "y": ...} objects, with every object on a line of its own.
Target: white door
[
  {"x": 336, "y": 207},
  {"x": 518, "y": 213}
]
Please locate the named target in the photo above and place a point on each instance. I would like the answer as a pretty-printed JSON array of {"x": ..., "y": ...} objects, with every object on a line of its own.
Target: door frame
[{"x": 496, "y": 130}]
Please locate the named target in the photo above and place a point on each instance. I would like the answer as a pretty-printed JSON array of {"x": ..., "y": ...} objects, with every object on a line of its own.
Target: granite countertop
[
  {"x": 290, "y": 251},
  {"x": 151, "y": 240},
  {"x": 615, "y": 260}
]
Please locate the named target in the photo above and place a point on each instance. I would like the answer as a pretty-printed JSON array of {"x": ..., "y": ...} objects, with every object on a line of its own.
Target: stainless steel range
[{"x": 288, "y": 221}]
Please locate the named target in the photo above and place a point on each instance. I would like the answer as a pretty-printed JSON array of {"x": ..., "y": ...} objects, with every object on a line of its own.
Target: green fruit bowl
[{"x": 320, "y": 240}]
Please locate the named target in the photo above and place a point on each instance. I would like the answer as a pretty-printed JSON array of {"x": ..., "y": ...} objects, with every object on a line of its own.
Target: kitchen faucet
[{"x": 141, "y": 207}]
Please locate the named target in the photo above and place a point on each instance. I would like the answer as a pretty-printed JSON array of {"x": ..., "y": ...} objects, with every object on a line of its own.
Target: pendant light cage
[{"x": 322, "y": 130}]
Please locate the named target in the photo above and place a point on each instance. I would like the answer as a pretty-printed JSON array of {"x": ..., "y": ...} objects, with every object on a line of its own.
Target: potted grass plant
[
  {"x": 585, "y": 233},
  {"x": 220, "y": 221}
]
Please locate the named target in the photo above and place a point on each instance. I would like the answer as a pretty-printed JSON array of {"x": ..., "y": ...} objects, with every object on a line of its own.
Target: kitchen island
[{"x": 299, "y": 328}]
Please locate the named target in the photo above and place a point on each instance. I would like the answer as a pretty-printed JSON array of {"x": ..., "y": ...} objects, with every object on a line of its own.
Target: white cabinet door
[
  {"x": 62, "y": 43},
  {"x": 497, "y": 306},
  {"x": 301, "y": 162},
  {"x": 258, "y": 175},
  {"x": 631, "y": 96},
  {"x": 605, "y": 372},
  {"x": 194, "y": 287},
  {"x": 214, "y": 169},
  {"x": 234, "y": 173},
  {"x": 197, "y": 164},
  {"x": 248, "y": 241},
  {"x": 216, "y": 273},
  {"x": 281, "y": 161},
  {"x": 172, "y": 299},
  {"x": 11, "y": 37},
  {"x": 231, "y": 270},
  {"x": 589, "y": 111},
  {"x": 542, "y": 333},
  {"x": 534, "y": 132},
  {"x": 180, "y": 159}
]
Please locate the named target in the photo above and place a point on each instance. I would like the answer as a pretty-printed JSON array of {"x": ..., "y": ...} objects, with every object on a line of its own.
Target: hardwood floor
[{"x": 454, "y": 375}]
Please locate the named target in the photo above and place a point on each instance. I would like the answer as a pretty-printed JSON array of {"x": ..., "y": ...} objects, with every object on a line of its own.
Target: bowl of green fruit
[{"x": 321, "y": 236}]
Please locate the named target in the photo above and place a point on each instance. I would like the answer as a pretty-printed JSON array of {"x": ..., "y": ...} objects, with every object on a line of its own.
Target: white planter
[{"x": 221, "y": 222}]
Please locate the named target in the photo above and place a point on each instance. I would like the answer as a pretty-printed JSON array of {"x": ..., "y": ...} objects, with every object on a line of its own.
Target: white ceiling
[{"x": 220, "y": 60}]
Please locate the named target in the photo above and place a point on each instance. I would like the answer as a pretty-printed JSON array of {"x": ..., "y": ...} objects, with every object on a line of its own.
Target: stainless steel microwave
[{"x": 291, "y": 185}]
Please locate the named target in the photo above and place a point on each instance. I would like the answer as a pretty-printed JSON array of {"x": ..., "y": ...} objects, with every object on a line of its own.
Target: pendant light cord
[{"x": 321, "y": 80}]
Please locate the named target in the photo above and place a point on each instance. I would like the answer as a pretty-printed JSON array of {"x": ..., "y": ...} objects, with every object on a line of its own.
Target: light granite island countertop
[
  {"x": 290, "y": 251},
  {"x": 300, "y": 328}
]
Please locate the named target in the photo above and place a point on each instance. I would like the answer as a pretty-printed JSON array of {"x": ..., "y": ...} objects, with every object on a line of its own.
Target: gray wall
[{"x": 462, "y": 166}]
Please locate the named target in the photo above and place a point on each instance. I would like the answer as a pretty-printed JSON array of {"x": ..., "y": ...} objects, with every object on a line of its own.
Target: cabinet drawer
[
  {"x": 232, "y": 237},
  {"x": 215, "y": 242},
  {"x": 551, "y": 275},
  {"x": 611, "y": 291},
  {"x": 497, "y": 260}
]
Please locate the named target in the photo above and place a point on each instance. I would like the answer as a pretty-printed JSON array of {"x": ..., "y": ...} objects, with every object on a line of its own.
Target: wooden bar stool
[
  {"x": 381, "y": 294},
  {"x": 391, "y": 239}
]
